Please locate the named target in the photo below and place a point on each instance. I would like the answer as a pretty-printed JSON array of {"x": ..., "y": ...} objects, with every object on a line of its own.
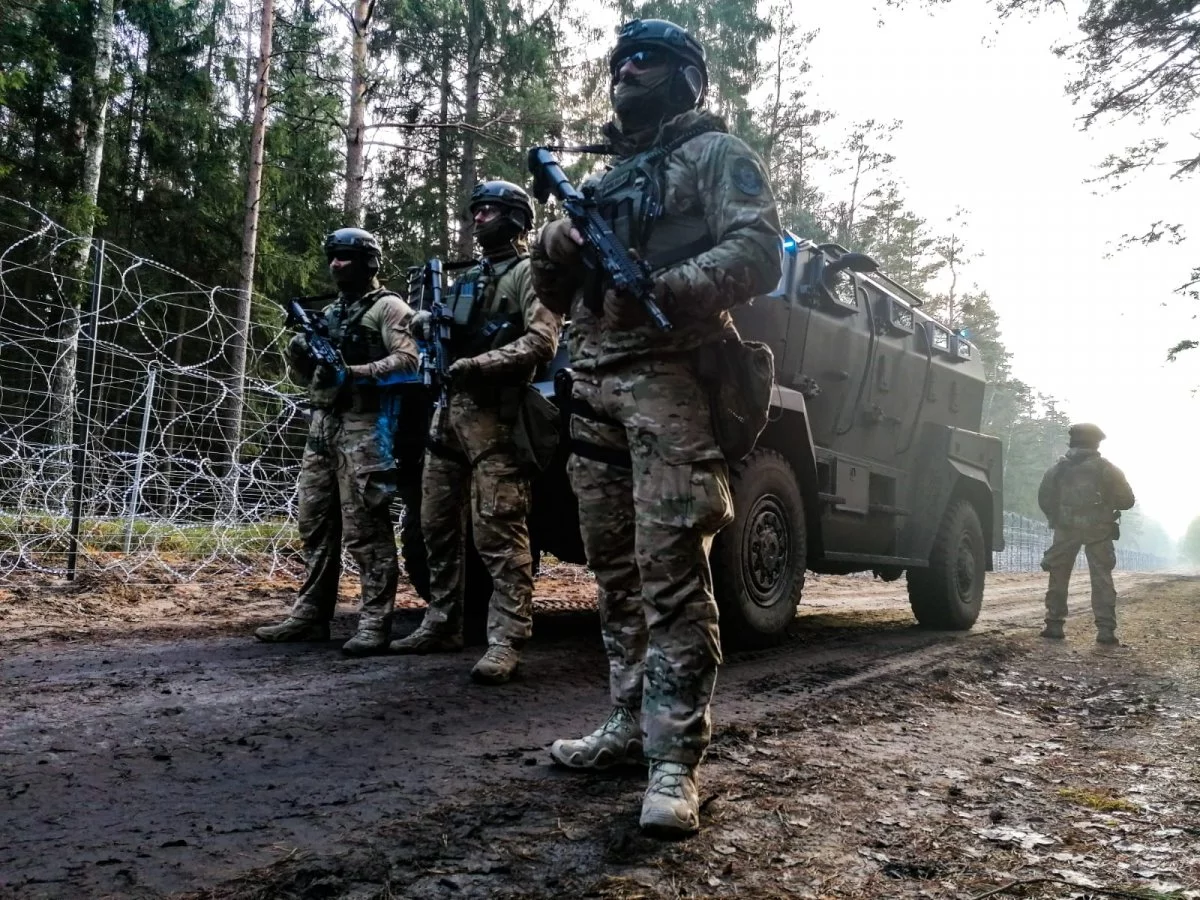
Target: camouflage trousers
[
  {"x": 347, "y": 481},
  {"x": 647, "y": 522},
  {"x": 472, "y": 478},
  {"x": 1059, "y": 560}
]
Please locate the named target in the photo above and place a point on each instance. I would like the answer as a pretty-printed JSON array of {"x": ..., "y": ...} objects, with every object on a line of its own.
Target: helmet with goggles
[
  {"x": 648, "y": 43},
  {"x": 354, "y": 243}
]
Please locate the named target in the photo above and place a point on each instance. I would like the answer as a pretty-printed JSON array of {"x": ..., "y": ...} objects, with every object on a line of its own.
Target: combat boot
[
  {"x": 671, "y": 807},
  {"x": 618, "y": 740},
  {"x": 293, "y": 629},
  {"x": 497, "y": 665},
  {"x": 427, "y": 639},
  {"x": 369, "y": 640},
  {"x": 1054, "y": 631},
  {"x": 1107, "y": 637}
]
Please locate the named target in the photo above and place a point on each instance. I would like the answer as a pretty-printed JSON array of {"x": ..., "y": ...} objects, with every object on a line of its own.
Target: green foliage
[{"x": 456, "y": 92}]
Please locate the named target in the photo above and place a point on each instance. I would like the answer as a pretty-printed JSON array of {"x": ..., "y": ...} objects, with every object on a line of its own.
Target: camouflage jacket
[
  {"x": 1083, "y": 489},
  {"x": 712, "y": 182},
  {"x": 539, "y": 341}
]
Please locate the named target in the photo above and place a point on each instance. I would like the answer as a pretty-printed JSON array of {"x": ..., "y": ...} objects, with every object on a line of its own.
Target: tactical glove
[
  {"x": 421, "y": 325},
  {"x": 561, "y": 242},
  {"x": 327, "y": 377},
  {"x": 463, "y": 370}
]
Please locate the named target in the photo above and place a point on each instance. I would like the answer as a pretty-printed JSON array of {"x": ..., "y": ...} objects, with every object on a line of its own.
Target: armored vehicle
[{"x": 872, "y": 459}]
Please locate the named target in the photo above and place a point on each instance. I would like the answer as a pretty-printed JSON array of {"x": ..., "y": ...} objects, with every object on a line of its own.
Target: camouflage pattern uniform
[
  {"x": 652, "y": 484},
  {"x": 1079, "y": 496},
  {"x": 472, "y": 474},
  {"x": 347, "y": 474}
]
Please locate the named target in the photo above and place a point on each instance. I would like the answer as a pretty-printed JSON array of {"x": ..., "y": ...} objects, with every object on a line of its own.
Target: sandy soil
[{"x": 148, "y": 748}]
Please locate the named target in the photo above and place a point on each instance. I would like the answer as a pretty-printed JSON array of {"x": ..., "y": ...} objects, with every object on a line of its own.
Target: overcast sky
[{"x": 987, "y": 126}]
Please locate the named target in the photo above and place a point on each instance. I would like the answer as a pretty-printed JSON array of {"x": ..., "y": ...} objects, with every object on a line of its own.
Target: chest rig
[
  {"x": 357, "y": 344},
  {"x": 631, "y": 198},
  {"x": 486, "y": 309}
]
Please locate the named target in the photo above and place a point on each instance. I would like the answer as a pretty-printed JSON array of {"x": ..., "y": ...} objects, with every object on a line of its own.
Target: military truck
[{"x": 872, "y": 459}]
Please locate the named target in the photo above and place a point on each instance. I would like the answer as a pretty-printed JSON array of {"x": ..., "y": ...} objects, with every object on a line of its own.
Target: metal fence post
[
  {"x": 83, "y": 422},
  {"x": 136, "y": 490}
]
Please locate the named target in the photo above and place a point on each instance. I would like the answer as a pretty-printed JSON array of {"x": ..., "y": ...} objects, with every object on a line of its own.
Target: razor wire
[
  {"x": 1026, "y": 540},
  {"x": 161, "y": 487},
  {"x": 163, "y": 496}
]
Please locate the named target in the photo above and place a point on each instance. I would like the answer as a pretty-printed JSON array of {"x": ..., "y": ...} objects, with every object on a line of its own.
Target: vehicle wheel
[
  {"x": 759, "y": 559},
  {"x": 949, "y": 594}
]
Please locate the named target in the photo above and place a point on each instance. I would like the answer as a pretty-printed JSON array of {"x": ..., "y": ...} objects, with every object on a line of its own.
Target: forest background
[{"x": 135, "y": 121}]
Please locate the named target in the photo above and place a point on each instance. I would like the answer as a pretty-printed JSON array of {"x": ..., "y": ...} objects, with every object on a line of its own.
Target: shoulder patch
[{"x": 746, "y": 176}]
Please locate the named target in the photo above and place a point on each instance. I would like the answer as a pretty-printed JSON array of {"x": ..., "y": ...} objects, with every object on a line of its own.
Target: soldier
[
  {"x": 653, "y": 486},
  {"x": 1081, "y": 496},
  {"x": 347, "y": 474},
  {"x": 472, "y": 471}
]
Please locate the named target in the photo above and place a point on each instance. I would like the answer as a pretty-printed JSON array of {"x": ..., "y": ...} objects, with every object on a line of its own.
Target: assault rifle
[
  {"x": 316, "y": 332},
  {"x": 435, "y": 357},
  {"x": 628, "y": 275}
]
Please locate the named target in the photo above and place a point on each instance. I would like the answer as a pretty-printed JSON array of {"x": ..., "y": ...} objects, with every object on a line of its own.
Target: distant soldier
[
  {"x": 348, "y": 472},
  {"x": 1082, "y": 495},
  {"x": 473, "y": 475}
]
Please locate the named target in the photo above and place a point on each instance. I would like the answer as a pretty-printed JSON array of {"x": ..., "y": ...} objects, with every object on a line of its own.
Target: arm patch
[{"x": 746, "y": 176}]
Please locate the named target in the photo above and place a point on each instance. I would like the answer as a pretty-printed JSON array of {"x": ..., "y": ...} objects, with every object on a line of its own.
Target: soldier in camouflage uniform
[
  {"x": 653, "y": 487},
  {"x": 347, "y": 474},
  {"x": 1081, "y": 496},
  {"x": 473, "y": 474}
]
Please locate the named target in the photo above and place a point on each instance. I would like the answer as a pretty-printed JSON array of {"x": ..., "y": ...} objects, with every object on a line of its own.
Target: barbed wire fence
[
  {"x": 161, "y": 488},
  {"x": 169, "y": 488},
  {"x": 1026, "y": 539}
]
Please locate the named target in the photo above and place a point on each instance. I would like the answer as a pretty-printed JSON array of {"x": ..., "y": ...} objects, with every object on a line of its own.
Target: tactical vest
[
  {"x": 1081, "y": 500},
  {"x": 631, "y": 198},
  {"x": 487, "y": 311},
  {"x": 358, "y": 345}
]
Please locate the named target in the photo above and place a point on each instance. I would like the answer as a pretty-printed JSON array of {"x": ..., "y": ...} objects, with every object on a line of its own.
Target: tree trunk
[
  {"x": 443, "y": 161},
  {"x": 66, "y": 331},
  {"x": 466, "y": 165},
  {"x": 232, "y": 426},
  {"x": 355, "y": 168}
]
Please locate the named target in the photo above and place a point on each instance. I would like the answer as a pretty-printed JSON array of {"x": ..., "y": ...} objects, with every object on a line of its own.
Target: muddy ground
[{"x": 149, "y": 748}]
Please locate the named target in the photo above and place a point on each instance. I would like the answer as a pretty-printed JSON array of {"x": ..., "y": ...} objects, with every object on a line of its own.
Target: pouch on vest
[
  {"x": 536, "y": 430},
  {"x": 739, "y": 376}
]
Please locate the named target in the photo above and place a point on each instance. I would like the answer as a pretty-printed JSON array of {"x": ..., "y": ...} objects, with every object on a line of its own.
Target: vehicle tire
[
  {"x": 949, "y": 594},
  {"x": 759, "y": 559}
]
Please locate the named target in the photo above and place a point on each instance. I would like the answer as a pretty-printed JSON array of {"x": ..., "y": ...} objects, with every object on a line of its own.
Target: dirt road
[{"x": 172, "y": 759}]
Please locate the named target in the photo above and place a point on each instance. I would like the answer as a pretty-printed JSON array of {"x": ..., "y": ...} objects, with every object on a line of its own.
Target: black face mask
[
  {"x": 355, "y": 278},
  {"x": 498, "y": 234},
  {"x": 644, "y": 100}
]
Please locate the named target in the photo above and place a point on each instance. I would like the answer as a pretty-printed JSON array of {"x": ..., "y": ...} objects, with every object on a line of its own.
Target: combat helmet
[
  {"x": 691, "y": 81},
  {"x": 1085, "y": 434},
  {"x": 510, "y": 197},
  {"x": 355, "y": 240},
  {"x": 516, "y": 216}
]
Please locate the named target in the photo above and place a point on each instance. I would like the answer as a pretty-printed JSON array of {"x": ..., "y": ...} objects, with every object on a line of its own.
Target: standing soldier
[
  {"x": 347, "y": 474},
  {"x": 653, "y": 487},
  {"x": 472, "y": 473},
  {"x": 1082, "y": 495}
]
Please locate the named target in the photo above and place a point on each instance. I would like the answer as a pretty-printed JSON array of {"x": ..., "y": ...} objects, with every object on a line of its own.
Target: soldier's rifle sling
[{"x": 627, "y": 274}]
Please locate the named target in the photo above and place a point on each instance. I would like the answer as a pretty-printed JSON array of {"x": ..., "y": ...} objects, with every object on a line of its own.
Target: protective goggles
[{"x": 642, "y": 60}]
